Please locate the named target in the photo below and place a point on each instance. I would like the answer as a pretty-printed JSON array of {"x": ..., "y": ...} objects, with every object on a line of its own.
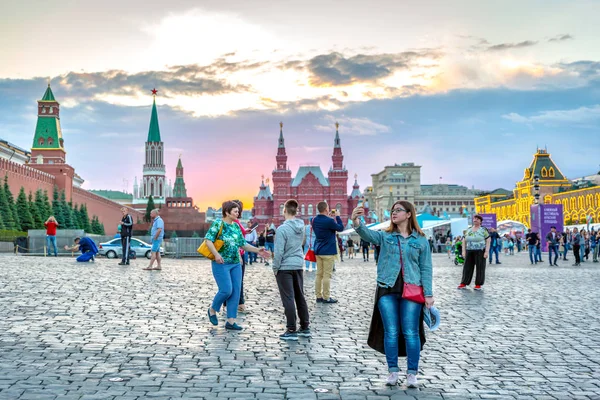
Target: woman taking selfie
[{"x": 404, "y": 284}]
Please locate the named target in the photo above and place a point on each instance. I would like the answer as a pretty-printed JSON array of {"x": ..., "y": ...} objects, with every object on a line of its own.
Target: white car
[{"x": 113, "y": 248}]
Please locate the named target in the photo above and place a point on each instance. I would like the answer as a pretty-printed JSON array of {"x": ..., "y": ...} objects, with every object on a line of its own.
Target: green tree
[
  {"x": 25, "y": 217},
  {"x": 96, "y": 226},
  {"x": 77, "y": 216},
  {"x": 85, "y": 219},
  {"x": 195, "y": 234},
  {"x": 11, "y": 203},
  {"x": 6, "y": 211},
  {"x": 149, "y": 207},
  {"x": 57, "y": 208},
  {"x": 174, "y": 235},
  {"x": 72, "y": 217},
  {"x": 47, "y": 206},
  {"x": 35, "y": 212},
  {"x": 2, "y": 223},
  {"x": 68, "y": 224}
]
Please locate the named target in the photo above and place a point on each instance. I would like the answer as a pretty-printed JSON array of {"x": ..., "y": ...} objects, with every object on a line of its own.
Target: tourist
[
  {"x": 448, "y": 246},
  {"x": 350, "y": 247},
  {"x": 576, "y": 243},
  {"x": 261, "y": 243},
  {"x": 126, "y": 232},
  {"x": 596, "y": 245},
  {"x": 157, "y": 233},
  {"x": 51, "y": 226},
  {"x": 226, "y": 267},
  {"x": 242, "y": 301},
  {"x": 532, "y": 241},
  {"x": 270, "y": 239},
  {"x": 495, "y": 245},
  {"x": 553, "y": 240},
  {"x": 586, "y": 239},
  {"x": 396, "y": 324},
  {"x": 365, "y": 249},
  {"x": 341, "y": 250},
  {"x": 583, "y": 235},
  {"x": 309, "y": 244},
  {"x": 288, "y": 265},
  {"x": 475, "y": 252},
  {"x": 251, "y": 237},
  {"x": 538, "y": 250},
  {"x": 87, "y": 247},
  {"x": 326, "y": 249}
]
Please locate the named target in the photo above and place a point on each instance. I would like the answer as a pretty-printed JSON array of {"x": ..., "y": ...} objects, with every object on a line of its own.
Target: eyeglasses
[{"x": 398, "y": 210}]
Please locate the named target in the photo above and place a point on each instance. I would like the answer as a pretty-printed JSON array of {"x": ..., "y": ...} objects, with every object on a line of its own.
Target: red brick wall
[
  {"x": 23, "y": 175},
  {"x": 108, "y": 212}
]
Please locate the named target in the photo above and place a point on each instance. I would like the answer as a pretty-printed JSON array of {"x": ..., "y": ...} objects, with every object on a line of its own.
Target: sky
[{"x": 466, "y": 89}]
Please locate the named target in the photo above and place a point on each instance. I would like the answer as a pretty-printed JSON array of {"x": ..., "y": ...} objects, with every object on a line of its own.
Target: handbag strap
[
  {"x": 310, "y": 237},
  {"x": 220, "y": 230},
  {"x": 401, "y": 260}
]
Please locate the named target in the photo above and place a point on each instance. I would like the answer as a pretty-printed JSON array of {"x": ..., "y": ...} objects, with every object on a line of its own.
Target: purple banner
[
  {"x": 534, "y": 219},
  {"x": 550, "y": 215},
  {"x": 489, "y": 221}
]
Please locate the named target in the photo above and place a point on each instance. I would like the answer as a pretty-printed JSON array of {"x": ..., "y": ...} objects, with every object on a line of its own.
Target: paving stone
[{"x": 67, "y": 329}]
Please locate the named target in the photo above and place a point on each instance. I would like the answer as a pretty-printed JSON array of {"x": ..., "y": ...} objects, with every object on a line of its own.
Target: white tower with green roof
[
  {"x": 154, "y": 181},
  {"x": 48, "y": 145}
]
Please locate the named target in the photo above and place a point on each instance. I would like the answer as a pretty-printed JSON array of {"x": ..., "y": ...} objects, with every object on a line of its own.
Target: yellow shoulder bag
[{"x": 205, "y": 251}]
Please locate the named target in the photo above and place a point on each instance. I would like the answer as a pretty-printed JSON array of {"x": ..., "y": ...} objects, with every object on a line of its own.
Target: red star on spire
[{"x": 154, "y": 91}]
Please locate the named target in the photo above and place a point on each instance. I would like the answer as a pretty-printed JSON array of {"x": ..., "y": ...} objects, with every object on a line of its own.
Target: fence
[{"x": 186, "y": 247}]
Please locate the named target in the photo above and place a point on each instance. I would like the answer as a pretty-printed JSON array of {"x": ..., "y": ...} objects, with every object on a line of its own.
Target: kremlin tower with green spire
[{"x": 154, "y": 182}]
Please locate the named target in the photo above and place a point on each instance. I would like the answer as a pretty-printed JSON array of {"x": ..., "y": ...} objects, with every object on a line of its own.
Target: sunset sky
[{"x": 467, "y": 89}]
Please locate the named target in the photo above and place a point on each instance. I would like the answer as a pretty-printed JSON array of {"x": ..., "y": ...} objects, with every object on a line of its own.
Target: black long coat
[{"x": 375, "y": 340}]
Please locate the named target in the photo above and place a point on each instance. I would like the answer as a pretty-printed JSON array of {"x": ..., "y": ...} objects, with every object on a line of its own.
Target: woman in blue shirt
[{"x": 405, "y": 256}]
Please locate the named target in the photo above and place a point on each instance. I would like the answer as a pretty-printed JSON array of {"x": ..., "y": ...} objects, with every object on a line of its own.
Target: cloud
[
  {"x": 561, "y": 38},
  {"x": 507, "y": 46},
  {"x": 353, "y": 126},
  {"x": 334, "y": 69},
  {"x": 578, "y": 116}
]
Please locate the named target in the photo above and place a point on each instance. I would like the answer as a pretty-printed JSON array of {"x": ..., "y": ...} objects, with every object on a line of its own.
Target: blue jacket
[
  {"x": 86, "y": 244},
  {"x": 416, "y": 256},
  {"x": 324, "y": 229}
]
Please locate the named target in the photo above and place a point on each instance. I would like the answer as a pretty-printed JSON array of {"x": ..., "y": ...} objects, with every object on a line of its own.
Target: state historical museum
[{"x": 308, "y": 187}]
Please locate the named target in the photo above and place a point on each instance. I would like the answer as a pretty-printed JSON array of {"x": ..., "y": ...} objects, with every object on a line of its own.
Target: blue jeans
[
  {"x": 229, "y": 282},
  {"x": 582, "y": 252},
  {"x": 51, "y": 240},
  {"x": 270, "y": 246},
  {"x": 538, "y": 253},
  {"x": 552, "y": 249},
  {"x": 494, "y": 250},
  {"x": 532, "y": 253},
  {"x": 398, "y": 313}
]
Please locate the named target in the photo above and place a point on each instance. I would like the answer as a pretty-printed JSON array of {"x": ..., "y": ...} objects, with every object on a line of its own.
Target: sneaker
[
  {"x": 288, "y": 335},
  {"x": 392, "y": 379},
  {"x": 304, "y": 332},
  {"x": 477, "y": 287},
  {"x": 461, "y": 286},
  {"x": 319, "y": 299},
  {"x": 411, "y": 381},
  {"x": 498, "y": 262},
  {"x": 330, "y": 300},
  {"x": 267, "y": 264},
  {"x": 122, "y": 263}
]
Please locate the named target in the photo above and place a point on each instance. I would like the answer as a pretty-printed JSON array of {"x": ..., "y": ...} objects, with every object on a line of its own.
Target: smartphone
[{"x": 253, "y": 226}]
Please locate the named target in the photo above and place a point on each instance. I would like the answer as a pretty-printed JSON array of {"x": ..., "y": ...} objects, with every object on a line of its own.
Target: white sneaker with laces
[
  {"x": 392, "y": 379},
  {"x": 411, "y": 381}
]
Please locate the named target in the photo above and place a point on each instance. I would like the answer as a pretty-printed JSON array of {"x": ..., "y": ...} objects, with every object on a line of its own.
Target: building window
[
  {"x": 51, "y": 110},
  {"x": 41, "y": 141},
  {"x": 302, "y": 209},
  {"x": 551, "y": 172},
  {"x": 281, "y": 209},
  {"x": 43, "y": 110},
  {"x": 50, "y": 141},
  {"x": 310, "y": 209},
  {"x": 40, "y": 159}
]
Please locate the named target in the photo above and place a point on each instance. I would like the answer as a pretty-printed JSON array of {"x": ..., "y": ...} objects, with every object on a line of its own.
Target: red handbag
[
  {"x": 310, "y": 254},
  {"x": 410, "y": 291}
]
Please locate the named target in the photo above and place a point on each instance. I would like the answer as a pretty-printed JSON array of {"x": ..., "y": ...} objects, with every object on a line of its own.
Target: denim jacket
[{"x": 416, "y": 255}]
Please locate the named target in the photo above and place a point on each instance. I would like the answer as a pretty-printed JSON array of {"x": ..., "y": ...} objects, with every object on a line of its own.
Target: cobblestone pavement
[{"x": 66, "y": 329}]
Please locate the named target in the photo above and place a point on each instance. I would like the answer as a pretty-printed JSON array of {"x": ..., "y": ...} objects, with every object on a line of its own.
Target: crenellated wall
[{"x": 23, "y": 175}]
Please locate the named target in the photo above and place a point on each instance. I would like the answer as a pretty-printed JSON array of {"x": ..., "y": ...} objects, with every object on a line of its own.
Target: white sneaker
[
  {"x": 392, "y": 379},
  {"x": 411, "y": 381}
]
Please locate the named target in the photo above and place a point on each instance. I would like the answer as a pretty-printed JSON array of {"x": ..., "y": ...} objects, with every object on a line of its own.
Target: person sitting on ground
[{"x": 88, "y": 249}]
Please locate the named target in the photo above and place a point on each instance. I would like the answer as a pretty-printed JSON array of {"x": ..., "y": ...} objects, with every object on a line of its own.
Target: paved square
[{"x": 67, "y": 329}]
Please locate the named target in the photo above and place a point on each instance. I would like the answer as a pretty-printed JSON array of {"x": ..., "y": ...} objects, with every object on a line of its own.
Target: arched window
[
  {"x": 43, "y": 110},
  {"x": 51, "y": 110},
  {"x": 151, "y": 188},
  {"x": 41, "y": 141},
  {"x": 50, "y": 141},
  {"x": 310, "y": 209},
  {"x": 338, "y": 207},
  {"x": 302, "y": 210},
  {"x": 281, "y": 209},
  {"x": 544, "y": 172},
  {"x": 40, "y": 159},
  {"x": 551, "y": 172},
  {"x": 160, "y": 188}
]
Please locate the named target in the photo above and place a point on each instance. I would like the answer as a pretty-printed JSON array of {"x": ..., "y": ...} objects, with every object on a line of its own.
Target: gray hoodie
[{"x": 288, "y": 254}]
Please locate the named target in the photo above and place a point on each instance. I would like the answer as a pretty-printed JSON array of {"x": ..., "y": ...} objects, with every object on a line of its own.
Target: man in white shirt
[{"x": 252, "y": 238}]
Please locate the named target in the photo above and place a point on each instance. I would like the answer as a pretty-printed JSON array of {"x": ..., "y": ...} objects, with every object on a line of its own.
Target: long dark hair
[{"x": 413, "y": 224}]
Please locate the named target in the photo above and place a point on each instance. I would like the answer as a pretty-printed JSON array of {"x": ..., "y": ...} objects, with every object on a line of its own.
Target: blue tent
[{"x": 427, "y": 217}]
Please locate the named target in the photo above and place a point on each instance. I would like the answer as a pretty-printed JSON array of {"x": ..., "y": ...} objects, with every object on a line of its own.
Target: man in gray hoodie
[{"x": 288, "y": 263}]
